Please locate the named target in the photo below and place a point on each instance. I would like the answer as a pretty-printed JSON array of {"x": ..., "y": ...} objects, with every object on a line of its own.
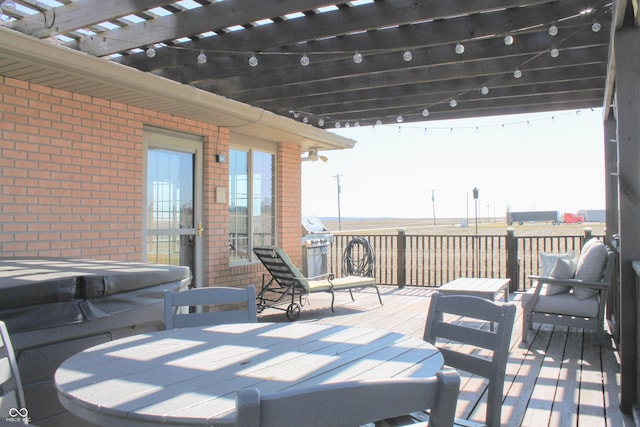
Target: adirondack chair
[
  {"x": 351, "y": 403},
  {"x": 284, "y": 282},
  {"x": 572, "y": 295}
]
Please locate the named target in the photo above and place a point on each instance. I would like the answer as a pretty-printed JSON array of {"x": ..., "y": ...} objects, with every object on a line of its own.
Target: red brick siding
[{"x": 71, "y": 180}]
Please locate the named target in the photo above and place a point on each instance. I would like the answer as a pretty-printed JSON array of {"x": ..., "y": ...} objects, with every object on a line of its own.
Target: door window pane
[{"x": 170, "y": 204}]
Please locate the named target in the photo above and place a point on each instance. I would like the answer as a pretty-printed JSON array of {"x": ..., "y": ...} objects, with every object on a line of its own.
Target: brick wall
[{"x": 71, "y": 180}]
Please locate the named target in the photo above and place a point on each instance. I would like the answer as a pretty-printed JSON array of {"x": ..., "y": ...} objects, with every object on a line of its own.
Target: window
[{"x": 251, "y": 202}]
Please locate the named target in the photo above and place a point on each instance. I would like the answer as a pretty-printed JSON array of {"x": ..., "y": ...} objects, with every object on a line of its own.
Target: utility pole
[
  {"x": 337, "y": 177},
  {"x": 433, "y": 202}
]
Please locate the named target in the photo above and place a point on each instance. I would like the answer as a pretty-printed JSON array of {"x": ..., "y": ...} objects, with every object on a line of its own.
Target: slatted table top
[
  {"x": 482, "y": 287},
  {"x": 189, "y": 376}
]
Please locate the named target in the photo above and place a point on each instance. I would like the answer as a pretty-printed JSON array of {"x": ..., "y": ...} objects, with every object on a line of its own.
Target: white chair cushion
[
  {"x": 565, "y": 304},
  {"x": 564, "y": 269},
  {"x": 590, "y": 267}
]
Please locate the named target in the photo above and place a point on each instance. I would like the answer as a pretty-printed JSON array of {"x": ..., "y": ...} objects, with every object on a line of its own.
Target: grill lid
[{"x": 312, "y": 225}]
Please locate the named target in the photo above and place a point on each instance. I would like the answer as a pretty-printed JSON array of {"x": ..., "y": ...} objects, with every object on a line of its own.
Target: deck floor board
[{"x": 560, "y": 377}]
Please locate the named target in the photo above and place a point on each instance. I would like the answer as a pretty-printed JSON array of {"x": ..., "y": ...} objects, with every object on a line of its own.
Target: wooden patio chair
[
  {"x": 572, "y": 295},
  {"x": 285, "y": 282},
  {"x": 467, "y": 344},
  {"x": 351, "y": 403},
  {"x": 226, "y": 305},
  {"x": 12, "y": 402}
]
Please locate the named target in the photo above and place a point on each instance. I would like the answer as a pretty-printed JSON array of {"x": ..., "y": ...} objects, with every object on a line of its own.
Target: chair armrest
[{"x": 569, "y": 282}]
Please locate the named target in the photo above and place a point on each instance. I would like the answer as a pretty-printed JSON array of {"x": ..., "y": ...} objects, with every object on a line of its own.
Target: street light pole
[{"x": 433, "y": 202}]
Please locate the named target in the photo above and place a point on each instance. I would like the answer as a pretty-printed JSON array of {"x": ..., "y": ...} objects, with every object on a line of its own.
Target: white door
[{"x": 173, "y": 201}]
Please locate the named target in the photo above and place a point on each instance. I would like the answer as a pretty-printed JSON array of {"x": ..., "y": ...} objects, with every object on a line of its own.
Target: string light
[
  {"x": 253, "y": 61},
  {"x": 8, "y": 6},
  {"x": 151, "y": 52},
  {"x": 459, "y": 49},
  {"x": 202, "y": 58}
]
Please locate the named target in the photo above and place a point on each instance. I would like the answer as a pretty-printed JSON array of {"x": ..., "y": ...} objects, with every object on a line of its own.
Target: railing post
[
  {"x": 401, "y": 262},
  {"x": 513, "y": 272}
]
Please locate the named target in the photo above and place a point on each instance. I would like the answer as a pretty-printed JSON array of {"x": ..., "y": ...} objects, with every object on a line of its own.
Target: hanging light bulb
[
  {"x": 296, "y": 114},
  {"x": 517, "y": 74},
  {"x": 407, "y": 55},
  {"x": 595, "y": 27},
  {"x": 399, "y": 119},
  {"x": 357, "y": 57},
  {"x": 305, "y": 119},
  {"x": 321, "y": 121},
  {"x": 356, "y": 124},
  {"x": 484, "y": 90},
  {"x": 553, "y": 30},
  {"x": 425, "y": 112},
  {"x": 508, "y": 40},
  {"x": 8, "y": 6},
  {"x": 202, "y": 58},
  {"x": 253, "y": 61},
  {"x": 459, "y": 48},
  {"x": 151, "y": 52},
  {"x": 453, "y": 103},
  {"x": 304, "y": 61},
  {"x": 347, "y": 125},
  {"x": 378, "y": 122},
  {"x": 554, "y": 52},
  {"x": 338, "y": 124}
]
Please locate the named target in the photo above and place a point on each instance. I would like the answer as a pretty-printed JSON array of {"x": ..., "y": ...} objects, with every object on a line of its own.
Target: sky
[{"x": 545, "y": 161}]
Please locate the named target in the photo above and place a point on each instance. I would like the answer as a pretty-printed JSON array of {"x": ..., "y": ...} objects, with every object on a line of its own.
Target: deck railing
[{"x": 432, "y": 260}]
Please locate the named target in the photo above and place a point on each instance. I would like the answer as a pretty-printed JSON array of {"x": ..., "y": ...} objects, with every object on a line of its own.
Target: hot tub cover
[{"x": 37, "y": 292}]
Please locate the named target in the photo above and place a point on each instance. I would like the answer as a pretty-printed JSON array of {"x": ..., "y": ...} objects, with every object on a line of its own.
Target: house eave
[{"x": 41, "y": 62}]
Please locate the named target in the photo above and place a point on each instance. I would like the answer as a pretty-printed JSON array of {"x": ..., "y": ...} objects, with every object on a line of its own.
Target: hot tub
[{"x": 54, "y": 308}]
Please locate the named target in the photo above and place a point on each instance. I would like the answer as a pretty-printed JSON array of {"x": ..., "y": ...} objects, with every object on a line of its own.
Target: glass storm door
[{"x": 173, "y": 205}]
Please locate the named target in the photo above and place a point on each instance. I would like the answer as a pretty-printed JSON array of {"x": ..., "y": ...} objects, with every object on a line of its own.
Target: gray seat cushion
[{"x": 565, "y": 304}]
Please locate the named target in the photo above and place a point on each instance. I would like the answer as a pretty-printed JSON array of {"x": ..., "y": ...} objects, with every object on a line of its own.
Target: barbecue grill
[{"x": 316, "y": 239}]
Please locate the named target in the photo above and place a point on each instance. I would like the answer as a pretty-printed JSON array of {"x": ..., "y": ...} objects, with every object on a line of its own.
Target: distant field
[{"x": 443, "y": 226}]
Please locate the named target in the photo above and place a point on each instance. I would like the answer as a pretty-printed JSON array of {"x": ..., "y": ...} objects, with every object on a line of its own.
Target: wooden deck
[{"x": 559, "y": 378}]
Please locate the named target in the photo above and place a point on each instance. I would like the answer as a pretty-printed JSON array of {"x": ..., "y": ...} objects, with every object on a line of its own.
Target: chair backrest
[
  {"x": 226, "y": 305},
  {"x": 12, "y": 396},
  {"x": 466, "y": 332},
  {"x": 351, "y": 403},
  {"x": 358, "y": 258},
  {"x": 281, "y": 268}
]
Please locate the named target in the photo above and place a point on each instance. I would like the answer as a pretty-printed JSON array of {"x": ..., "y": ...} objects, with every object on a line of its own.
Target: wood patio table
[{"x": 189, "y": 376}]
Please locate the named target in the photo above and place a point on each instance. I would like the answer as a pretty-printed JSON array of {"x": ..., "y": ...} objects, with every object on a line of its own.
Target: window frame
[{"x": 250, "y": 149}]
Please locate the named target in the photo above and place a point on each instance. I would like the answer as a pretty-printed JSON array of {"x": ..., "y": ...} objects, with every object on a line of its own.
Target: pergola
[{"x": 370, "y": 62}]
